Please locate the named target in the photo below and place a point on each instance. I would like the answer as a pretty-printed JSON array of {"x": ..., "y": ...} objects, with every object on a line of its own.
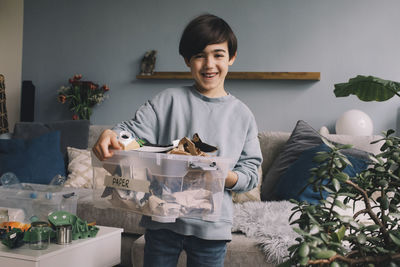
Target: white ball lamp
[{"x": 354, "y": 122}]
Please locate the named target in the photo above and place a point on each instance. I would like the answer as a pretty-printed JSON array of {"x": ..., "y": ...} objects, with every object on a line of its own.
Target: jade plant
[{"x": 371, "y": 236}]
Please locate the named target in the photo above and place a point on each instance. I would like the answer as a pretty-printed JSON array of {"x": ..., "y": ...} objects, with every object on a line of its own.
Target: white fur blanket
[{"x": 268, "y": 224}]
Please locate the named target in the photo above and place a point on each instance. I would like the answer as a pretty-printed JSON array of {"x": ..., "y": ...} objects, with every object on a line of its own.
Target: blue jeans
[{"x": 163, "y": 247}]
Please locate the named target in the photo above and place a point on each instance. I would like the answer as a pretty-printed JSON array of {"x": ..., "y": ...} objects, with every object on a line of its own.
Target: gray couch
[{"x": 242, "y": 251}]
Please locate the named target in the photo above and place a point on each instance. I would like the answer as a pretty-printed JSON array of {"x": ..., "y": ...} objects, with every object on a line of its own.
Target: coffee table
[{"x": 102, "y": 250}]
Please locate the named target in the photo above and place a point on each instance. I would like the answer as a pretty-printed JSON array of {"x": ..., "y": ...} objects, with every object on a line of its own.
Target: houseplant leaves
[{"x": 368, "y": 88}]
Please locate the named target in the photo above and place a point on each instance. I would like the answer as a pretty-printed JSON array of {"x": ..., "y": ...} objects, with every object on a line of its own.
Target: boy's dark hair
[{"x": 205, "y": 30}]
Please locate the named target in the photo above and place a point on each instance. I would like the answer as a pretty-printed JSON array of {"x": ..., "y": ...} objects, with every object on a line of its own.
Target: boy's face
[{"x": 209, "y": 69}]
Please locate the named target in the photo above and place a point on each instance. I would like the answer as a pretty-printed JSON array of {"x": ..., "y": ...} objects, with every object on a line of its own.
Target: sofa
[{"x": 280, "y": 151}]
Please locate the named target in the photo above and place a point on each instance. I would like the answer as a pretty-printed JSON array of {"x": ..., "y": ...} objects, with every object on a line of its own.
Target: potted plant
[
  {"x": 327, "y": 238},
  {"x": 82, "y": 96}
]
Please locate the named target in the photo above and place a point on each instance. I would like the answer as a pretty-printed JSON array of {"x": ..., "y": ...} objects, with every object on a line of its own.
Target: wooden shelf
[{"x": 313, "y": 76}]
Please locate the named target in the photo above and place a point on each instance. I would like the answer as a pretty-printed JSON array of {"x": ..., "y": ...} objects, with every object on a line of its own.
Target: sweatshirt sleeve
[
  {"x": 249, "y": 161},
  {"x": 143, "y": 125}
]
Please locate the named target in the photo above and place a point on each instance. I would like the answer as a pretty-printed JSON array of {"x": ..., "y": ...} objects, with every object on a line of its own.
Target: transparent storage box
[
  {"x": 164, "y": 186},
  {"x": 37, "y": 201}
]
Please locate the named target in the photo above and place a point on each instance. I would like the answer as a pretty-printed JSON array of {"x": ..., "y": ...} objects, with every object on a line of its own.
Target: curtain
[{"x": 3, "y": 109}]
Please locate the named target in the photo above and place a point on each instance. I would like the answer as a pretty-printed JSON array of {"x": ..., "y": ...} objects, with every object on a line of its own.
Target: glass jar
[
  {"x": 39, "y": 236},
  {"x": 4, "y": 215}
]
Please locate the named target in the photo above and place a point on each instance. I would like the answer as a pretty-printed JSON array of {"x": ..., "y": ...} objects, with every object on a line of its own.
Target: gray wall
[{"x": 105, "y": 40}]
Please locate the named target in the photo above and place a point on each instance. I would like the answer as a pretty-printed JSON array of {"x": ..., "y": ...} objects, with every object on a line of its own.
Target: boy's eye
[
  {"x": 219, "y": 55},
  {"x": 198, "y": 56}
]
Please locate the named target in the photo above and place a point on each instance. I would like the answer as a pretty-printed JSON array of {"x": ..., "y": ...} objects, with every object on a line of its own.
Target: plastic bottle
[
  {"x": 10, "y": 180},
  {"x": 57, "y": 183}
]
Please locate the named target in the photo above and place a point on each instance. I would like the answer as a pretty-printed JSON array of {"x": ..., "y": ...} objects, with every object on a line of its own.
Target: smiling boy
[{"x": 208, "y": 47}]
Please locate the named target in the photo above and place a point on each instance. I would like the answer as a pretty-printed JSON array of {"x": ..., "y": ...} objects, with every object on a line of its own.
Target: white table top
[{"x": 24, "y": 252}]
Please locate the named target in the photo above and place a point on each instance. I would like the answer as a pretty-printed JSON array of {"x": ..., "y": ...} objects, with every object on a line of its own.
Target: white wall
[{"x": 11, "y": 29}]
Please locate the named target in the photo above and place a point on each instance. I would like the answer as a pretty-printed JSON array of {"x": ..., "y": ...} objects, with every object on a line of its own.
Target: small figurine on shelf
[{"x": 148, "y": 63}]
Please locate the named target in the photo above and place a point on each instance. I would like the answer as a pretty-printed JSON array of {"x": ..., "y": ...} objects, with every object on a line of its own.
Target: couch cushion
[
  {"x": 36, "y": 160},
  {"x": 305, "y": 137},
  {"x": 74, "y": 133},
  {"x": 302, "y": 138},
  {"x": 80, "y": 170},
  {"x": 298, "y": 173},
  {"x": 358, "y": 142}
]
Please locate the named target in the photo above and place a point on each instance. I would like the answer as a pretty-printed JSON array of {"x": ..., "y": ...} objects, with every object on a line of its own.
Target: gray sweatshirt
[{"x": 225, "y": 122}]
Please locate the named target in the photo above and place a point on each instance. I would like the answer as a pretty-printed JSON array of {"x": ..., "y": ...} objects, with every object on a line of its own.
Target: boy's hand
[
  {"x": 231, "y": 179},
  {"x": 107, "y": 139}
]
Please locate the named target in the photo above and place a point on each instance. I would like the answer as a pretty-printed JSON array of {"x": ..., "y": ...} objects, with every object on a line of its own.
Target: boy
[{"x": 208, "y": 47}]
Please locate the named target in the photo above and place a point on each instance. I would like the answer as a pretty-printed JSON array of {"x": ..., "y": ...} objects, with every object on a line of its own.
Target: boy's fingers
[
  {"x": 97, "y": 152},
  {"x": 114, "y": 143},
  {"x": 104, "y": 149}
]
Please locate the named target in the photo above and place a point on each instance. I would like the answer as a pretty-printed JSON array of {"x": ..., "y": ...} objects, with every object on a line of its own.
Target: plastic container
[
  {"x": 38, "y": 201},
  {"x": 164, "y": 186},
  {"x": 10, "y": 180}
]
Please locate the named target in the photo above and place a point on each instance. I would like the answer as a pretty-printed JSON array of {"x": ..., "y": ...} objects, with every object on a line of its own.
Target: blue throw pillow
[
  {"x": 36, "y": 160},
  {"x": 296, "y": 176}
]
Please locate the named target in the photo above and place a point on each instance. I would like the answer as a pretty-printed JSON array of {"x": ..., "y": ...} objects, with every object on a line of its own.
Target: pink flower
[{"x": 75, "y": 117}]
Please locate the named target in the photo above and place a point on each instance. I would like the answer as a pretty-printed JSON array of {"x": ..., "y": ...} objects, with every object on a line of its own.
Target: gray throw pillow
[{"x": 303, "y": 137}]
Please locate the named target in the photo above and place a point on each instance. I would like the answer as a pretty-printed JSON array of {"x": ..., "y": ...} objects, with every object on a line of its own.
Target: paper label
[{"x": 127, "y": 184}]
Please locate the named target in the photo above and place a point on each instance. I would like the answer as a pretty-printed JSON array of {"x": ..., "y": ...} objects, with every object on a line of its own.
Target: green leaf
[
  {"x": 304, "y": 250},
  {"x": 382, "y": 250},
  {"x": 314, "y": 230},
  {"x": 321, "y": 157},
  {"x": 367, "y": 88},
  {"x": 341, "y": 176},
  {"x": 328, "y": 143},
  {"x": 383, "y": 183},
  {"x": 338, "y": 163},
  {"x": 336, "y": 184},
  {"x": 304, "y": 261},
  {"x": 380, "y": 169},
  {"x": 361, "y": 238},
  {"x": 286, "y": 263},
  {"x": 395, "y": 239},
  {"x": 384, "y": 203},
  {"x": 324, "y": 254},
  {"x": 372, "y": 227},
  {"x": 390, "y": 131},
  {"x": 340, "y": 204},
  {"x": 341, "y": 232},
  {"x": 324, "y": 237}
]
